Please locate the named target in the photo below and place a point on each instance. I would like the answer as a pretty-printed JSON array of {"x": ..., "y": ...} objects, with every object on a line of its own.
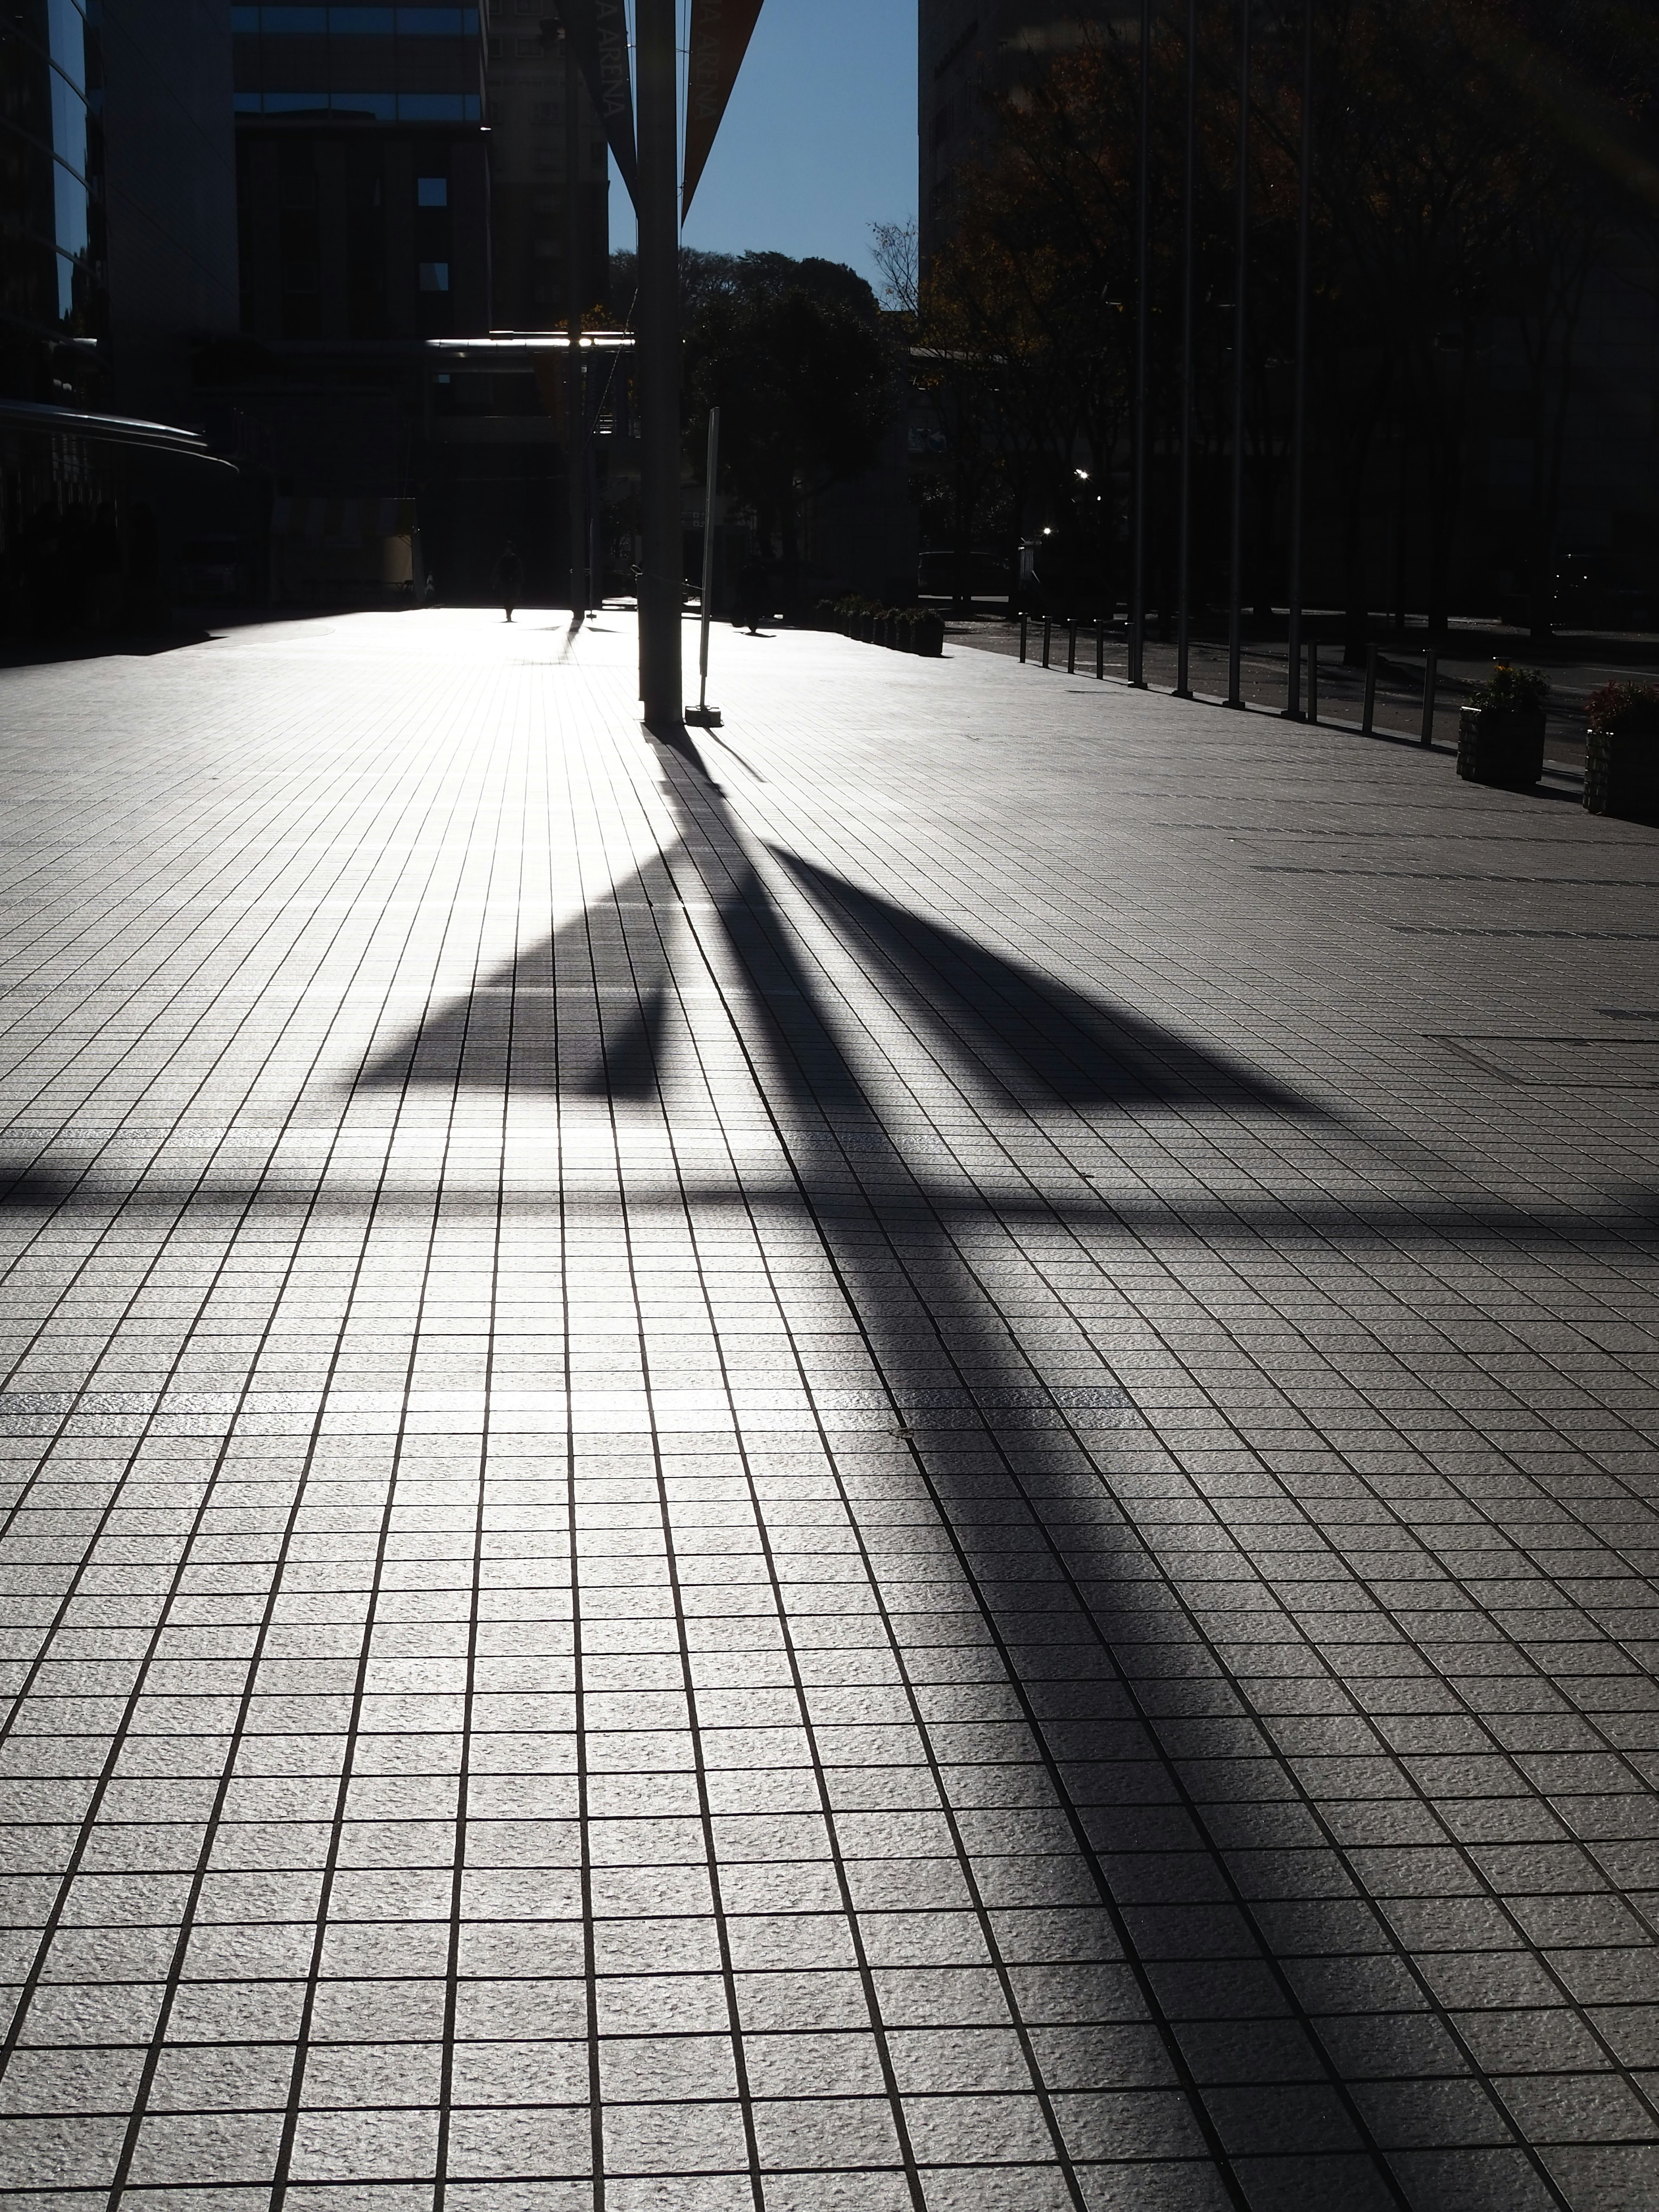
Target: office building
[
  {"x": 968, "y": 50},
  {"x": 529, "y": 168},
  {"x": 117, "y": 212},
  {"x": 362, "y": 172}
]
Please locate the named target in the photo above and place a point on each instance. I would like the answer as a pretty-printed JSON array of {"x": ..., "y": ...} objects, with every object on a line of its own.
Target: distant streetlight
[
  {"x": 1183, "y": 626},
  {"x": 575, "y": 397},
  {"x": 1236, "y": 610},
  {"x": 662, "y": 565},
  {"x": 1138, "y": 567},
  {"x": 1299, "y": 412}
]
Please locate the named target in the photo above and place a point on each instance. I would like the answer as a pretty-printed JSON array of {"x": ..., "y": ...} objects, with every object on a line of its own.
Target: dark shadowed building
[{"x": 117, "y": 210}]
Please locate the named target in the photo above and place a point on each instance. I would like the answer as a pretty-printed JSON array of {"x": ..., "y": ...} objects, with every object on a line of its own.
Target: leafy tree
[{"x": 793, "y": 355}]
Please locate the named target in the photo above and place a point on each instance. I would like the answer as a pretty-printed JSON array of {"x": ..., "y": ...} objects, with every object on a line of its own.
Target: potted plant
[
  {"x": 1621, "y": 751},
  {"x": 1500, "y": 734}
]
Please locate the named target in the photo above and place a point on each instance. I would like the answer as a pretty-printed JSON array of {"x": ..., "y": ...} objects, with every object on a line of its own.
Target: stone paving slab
[{"x": 912, "y": 1466}]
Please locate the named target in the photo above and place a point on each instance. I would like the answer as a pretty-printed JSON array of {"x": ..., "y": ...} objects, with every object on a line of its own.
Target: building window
[
  {"x": 347, "y": 22},
  {"x": 435, "y": 276},
  {"x": 66, "y": 37},
  {"x": 432, "y": 192},
  {"x": 437, "y": 107}
]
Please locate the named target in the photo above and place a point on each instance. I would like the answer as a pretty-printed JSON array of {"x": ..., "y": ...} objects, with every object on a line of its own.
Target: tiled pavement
[{"x": 920, "y": 1477}]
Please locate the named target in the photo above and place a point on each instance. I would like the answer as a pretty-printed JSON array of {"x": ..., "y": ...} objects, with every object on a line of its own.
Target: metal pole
[
  {"x": 1024, "y": 634},
  {"x": 1138, "y": 568},
  {"x": 1431, "y": 683},
  {"x": 575, "y": 418},
  {"x": 1100, "y": 649},
  {"x": 1300, "y": 417},
  {"x": 1368, "y": 716},
  {"x": 1184, "y": 619},
  {"x": 711, "y": 476},
  {"x": 1071, "y": 647},
  {"x": 658, "y": 358},
  {"x": 1236, "y": 610},
  {"x": 1313, "y": 679},
  {"x": 1047, "y": 632}
]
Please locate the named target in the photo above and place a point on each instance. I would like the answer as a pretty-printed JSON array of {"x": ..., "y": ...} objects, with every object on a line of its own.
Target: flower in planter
[
  {"x": 1621, "y": 751},
  {"x": 1500, "y": 734},
  {"x": 1625, "y": 710},
  {"x": 1511, "y": 690}
]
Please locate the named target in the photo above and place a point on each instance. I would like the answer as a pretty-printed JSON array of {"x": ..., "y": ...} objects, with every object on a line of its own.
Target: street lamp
[
  {"x": 661, "y": 579},
  {"x": 1299, "y": 416},
  {"x": 1183, "y": 625},
  {"x": 1138, "y": 575},
  {"x": 1235, "y": 615}
]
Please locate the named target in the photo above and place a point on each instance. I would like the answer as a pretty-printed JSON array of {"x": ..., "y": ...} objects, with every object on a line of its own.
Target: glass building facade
[
  {"x": 53, "y": 307},
  {"x": 406, "y": 65},
  {"x": 363, "y": 190}
]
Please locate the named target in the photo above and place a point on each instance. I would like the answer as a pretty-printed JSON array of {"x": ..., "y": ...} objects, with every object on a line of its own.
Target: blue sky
[{"x": 820, "y": 139}]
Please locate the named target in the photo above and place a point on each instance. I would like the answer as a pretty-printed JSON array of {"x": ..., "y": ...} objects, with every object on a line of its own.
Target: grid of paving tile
[{"x": 916, "y": 1473}]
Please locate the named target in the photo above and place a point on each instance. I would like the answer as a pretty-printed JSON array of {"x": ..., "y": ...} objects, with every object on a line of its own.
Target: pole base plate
[{"x": 704, "y": 718}]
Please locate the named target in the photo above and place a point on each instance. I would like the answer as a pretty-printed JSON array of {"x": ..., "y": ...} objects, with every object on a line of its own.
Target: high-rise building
[
  {"x": 363, "y": 179},
  {"x": 401, "y": 193},
  {"x": 529, "y": 168},
  {"x": 117, "y": 249},
  {"x": 116, "y": 203},
  {"x": 968, "y": 48}
]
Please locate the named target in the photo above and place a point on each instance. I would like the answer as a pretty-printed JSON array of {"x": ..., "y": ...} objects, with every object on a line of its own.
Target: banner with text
[
  {"x": 599, "y": 31},
  {"x": 720, "y": 39}
]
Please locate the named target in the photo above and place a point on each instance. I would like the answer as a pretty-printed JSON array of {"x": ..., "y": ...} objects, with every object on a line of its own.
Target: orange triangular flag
[{"x": 720, "y": 39}]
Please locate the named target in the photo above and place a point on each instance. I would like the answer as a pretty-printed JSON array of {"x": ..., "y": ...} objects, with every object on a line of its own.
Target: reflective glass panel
[
  {"x": 244, "y": 18},
  {"x": 360, "y": 22},
  {"x": 311, "y": 20},
  {"x": 382, "y": 105},
  {"x": 70, "y": 211},
  {"x": 69, "y": 124},
  {"x": 435, "y": 276},
  {"x": 436, "y": 22},
  {"x": 68, "y": 36},
  {"x": 296, "y": 103},
  {"x": 431, "y": 108},
  {"x": 432, "y": 192}
]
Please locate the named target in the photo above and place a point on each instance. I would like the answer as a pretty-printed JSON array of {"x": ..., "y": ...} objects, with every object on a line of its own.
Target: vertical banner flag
[
  {"x": 598, "y": 30},
  {"x": 720, "y": 39}
]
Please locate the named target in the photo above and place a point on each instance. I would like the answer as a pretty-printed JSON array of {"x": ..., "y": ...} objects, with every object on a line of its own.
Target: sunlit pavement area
[{"x": 913, "y": 1469}]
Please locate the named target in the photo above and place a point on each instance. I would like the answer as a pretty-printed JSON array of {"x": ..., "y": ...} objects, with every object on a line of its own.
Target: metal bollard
[
  {"x": 1048, "y": 634},
  {"x": 1370, "y": 715},
  {"x": 1024, "y": 633},
  {"x": 1313, "y": 679},
  {"x": 1431, "y": 677},
  {"x": 1071, "y": 647},
  {"x": 1100, "y": 648}
]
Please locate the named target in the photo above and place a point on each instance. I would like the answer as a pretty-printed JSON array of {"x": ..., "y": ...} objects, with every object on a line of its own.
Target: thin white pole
[{"x": 710, "y": 477}]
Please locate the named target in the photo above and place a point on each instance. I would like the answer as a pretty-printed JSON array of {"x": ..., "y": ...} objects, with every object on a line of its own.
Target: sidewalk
[
  {"x": 916, "y": 1471},
  {"x": 1575, "y": 668}
]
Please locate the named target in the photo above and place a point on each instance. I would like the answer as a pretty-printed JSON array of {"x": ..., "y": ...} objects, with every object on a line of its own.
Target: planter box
[
  {"x": 927, "y": 637},
  {"x": 1621, "y": 773},
  {"x": 1504, "y": 750}
]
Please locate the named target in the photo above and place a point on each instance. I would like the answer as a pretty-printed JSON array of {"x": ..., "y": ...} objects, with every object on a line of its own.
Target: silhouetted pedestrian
[
  {"x": 754, "y": 594},
  {"x": 509, "y": 577}
]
